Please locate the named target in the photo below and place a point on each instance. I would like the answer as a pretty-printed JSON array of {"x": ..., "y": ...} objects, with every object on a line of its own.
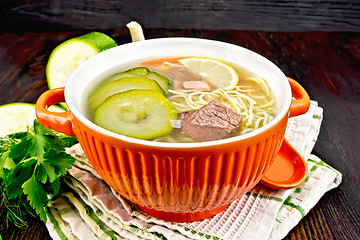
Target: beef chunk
[
  {"x": 211, "y": 122},
  {"x": 179, "y": 74}
]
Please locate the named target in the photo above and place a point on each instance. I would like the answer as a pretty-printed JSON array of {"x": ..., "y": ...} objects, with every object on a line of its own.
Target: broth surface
[{"x": 252, "y": 98}]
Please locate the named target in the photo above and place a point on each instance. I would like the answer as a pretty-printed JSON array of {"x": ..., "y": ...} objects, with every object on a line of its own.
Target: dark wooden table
[{"x": 326, "y": 64}]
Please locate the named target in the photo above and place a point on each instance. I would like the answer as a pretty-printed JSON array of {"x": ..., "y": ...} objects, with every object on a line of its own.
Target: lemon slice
[
  {"x": 71, "y": 53},
  {"x": 215, "y": 73}
]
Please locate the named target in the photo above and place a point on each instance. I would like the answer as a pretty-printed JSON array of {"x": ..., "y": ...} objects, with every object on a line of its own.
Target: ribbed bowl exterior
[{"x": 181, "y": 180}]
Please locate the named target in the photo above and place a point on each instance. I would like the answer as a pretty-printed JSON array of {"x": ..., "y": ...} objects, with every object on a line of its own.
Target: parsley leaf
[
  {"x": 31, "y": 166},
  {"x": 59, "y": 160},
  {"x": 6, "y": 163},
  {"x": 45, "y": 172},
  {"x": 36, "y": 195},
  {"x": 16, "y": 179},
  {"x": 54, "y": 187},
  {"x": 20, "y": 150}
]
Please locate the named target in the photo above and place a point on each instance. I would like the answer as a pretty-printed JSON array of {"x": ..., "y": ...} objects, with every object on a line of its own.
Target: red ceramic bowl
[{"x": 174, "y": 181}]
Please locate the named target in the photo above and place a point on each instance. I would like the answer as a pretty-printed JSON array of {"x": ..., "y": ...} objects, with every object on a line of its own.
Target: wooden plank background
[
  {"x": 326, "y": 64},
  {"x": 264, "y": 15}
]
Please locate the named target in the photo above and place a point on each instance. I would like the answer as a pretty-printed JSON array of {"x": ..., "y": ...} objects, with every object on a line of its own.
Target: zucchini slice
[
  {"x": 121, "y": 85},
  {"x": 17, "y": 117},
  {"x": 139, "y": 113},
  {"x": 163, "y": 81}
]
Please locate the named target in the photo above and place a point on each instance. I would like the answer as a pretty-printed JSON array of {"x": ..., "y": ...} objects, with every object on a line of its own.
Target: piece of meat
[
  {"x": 197, "y": 85},
  {"x": 211, "y": 122},
  {"x": 178, "y": 74}
]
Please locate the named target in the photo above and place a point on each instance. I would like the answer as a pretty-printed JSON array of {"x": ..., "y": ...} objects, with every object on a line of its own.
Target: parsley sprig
[{"x": 31, "y": 166}]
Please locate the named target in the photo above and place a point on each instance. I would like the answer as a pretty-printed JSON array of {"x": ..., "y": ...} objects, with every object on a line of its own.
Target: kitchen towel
[{"x": 88, "y": 208}]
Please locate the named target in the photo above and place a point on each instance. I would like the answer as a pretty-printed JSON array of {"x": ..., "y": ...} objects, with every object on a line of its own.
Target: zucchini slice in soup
[
  {"x": 121, "y": 85},
  {"x": 139, "y": 113},
  {"x": 163, "y": 81}
]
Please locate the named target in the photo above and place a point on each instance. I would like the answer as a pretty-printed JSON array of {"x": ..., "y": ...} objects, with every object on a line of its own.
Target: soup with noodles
[{"x": 197, "y": 99}]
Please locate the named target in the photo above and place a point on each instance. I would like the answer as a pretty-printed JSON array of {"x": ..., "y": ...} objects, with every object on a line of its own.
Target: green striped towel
[{"x": 89, "y": 209}]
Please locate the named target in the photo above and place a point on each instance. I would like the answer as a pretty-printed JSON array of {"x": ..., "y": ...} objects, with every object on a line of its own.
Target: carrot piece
[{"x": 161, "y": 60}]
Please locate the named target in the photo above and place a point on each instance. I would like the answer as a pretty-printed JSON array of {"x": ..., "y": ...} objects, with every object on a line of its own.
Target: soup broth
[{"x": 251, "y": 97}]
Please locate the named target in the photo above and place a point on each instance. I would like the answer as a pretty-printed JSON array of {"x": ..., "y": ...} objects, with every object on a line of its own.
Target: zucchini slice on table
[
  {"x": 71, "y": 53},
  {"x": 17, "y": 117}
]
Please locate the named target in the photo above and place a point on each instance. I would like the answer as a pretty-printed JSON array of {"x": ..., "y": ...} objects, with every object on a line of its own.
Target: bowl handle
[
  {"x": 288, "y": 170},
  {"x": 301, "y": 101},
  {"x": 59, "y": 121}
]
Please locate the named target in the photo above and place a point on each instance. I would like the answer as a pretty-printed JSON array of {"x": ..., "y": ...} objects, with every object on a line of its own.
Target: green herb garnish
[{"x": 31, "y": 165}]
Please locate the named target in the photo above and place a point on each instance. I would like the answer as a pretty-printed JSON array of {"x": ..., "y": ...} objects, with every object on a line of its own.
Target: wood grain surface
[
  {"x": 327, "y": 65},
  {"x": 265, "y": 15}
]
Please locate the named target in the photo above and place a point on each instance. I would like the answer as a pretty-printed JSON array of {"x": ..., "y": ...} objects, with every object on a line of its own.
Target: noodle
[
  {"x": 252, "y": 98},
  {"x": 256, "y": 107}
]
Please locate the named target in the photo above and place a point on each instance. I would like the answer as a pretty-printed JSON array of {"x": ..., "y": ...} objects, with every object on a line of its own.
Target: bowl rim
[{"x": 84, "y": 120}]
